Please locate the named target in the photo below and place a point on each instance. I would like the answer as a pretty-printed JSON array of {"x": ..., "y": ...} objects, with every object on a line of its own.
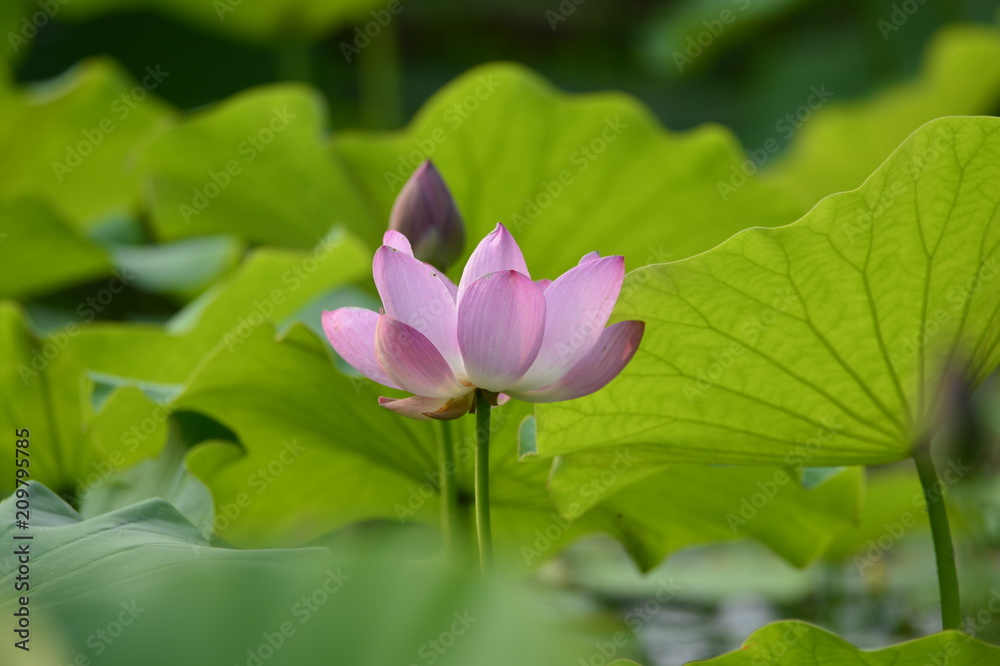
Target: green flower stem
[
  {"x": 483, "y": 482},
  {"x": 448, "y": 489},
  {"x": 944, "y": 551}
]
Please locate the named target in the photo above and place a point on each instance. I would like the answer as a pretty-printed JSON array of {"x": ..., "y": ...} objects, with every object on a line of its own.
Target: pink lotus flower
[{"x": 497, "y": 331}]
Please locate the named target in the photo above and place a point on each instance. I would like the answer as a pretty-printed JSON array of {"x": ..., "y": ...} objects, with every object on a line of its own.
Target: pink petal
[
  {"x": 497, "y": 252},
  {"x": 351, "y": 331},
  {"x": 589, "y": 257},
  {"x": 577, "y": 307},
  {"x": 449, "y": 285},
  {"x": 421, "y": 408},
  {"x": 397, "y": 241},
  {"x": 500, "y": 322},
  {"x": 400, "y": 243},
  {"x": 412, "y": 361},
  {"x": 543, "y": 284},
  {"x": 414, "y": 293},
  {"x": 614, "y": 349}
]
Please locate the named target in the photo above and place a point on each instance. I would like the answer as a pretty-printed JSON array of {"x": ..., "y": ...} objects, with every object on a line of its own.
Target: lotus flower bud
[{"x": 426, "y": 214}]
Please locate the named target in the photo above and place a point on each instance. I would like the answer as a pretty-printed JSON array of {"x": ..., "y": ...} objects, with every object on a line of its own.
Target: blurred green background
[
  {"x": 749, "y": 75},
  {"x": 889, "y": 67}
]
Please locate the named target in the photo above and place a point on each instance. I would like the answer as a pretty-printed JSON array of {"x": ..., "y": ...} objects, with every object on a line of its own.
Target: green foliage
[
  {"x": 261, "y": 20},
  {"x": 183, "y": 269},
  {"x": 253, "y": 166},
  {"x": 660, "y": 509},
  {"x": 801, "y": 644},
  {"x": 845, "y": 141},
  {"x": 35, "y": 235},
  {"x": 595, "y": 160},
  {"x": 271, "y": 285},
  {"x": 111, "y": 586},
  {"x": 825, "y": 342},
  {"x": 165, "y": 477},
  {"x": 68, "y": 141},
  {"x": 302, "y": 423},
  {"x": 775, "y": 359},
  {"x": 563, "y": 172},
  {"x": 893, "y": 505},
  {"x": 44, "y": 389},
  {"x": 103, "y": 553},
  {"x": 672, "y": 41}
]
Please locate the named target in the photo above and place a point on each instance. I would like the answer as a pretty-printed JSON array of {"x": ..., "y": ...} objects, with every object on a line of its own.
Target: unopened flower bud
[{"x": 426, "y": 214}]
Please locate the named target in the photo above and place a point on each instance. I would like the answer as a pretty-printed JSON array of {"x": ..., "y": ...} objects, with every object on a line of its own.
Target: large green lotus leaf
[
  {"x": 317, "y": 438},
  {"x": 824, "y": 342},
  {"x": 271, "y": 285},
  {"x": 259, "y": 20},
  {"x": 661, "y": 509},
  {"x": 125, "y": 549},
  {"x": 44, "y": 389},
  {"x": 118, "y": 588},
  {"x": 68, "y": 141},
  {"x": 334, "y": 454},
  {"x": 254, "y": 166},
  {"x": 564, "y": 172},
  {"x": 796, "y": 643},
  {"x": 561, "y": 170},
  {"x": 80, "y": 445},
  {"x": 165, "y": 477},
  {"x": 843, "y": 142},
  {"x": 33, "y": 235}
]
